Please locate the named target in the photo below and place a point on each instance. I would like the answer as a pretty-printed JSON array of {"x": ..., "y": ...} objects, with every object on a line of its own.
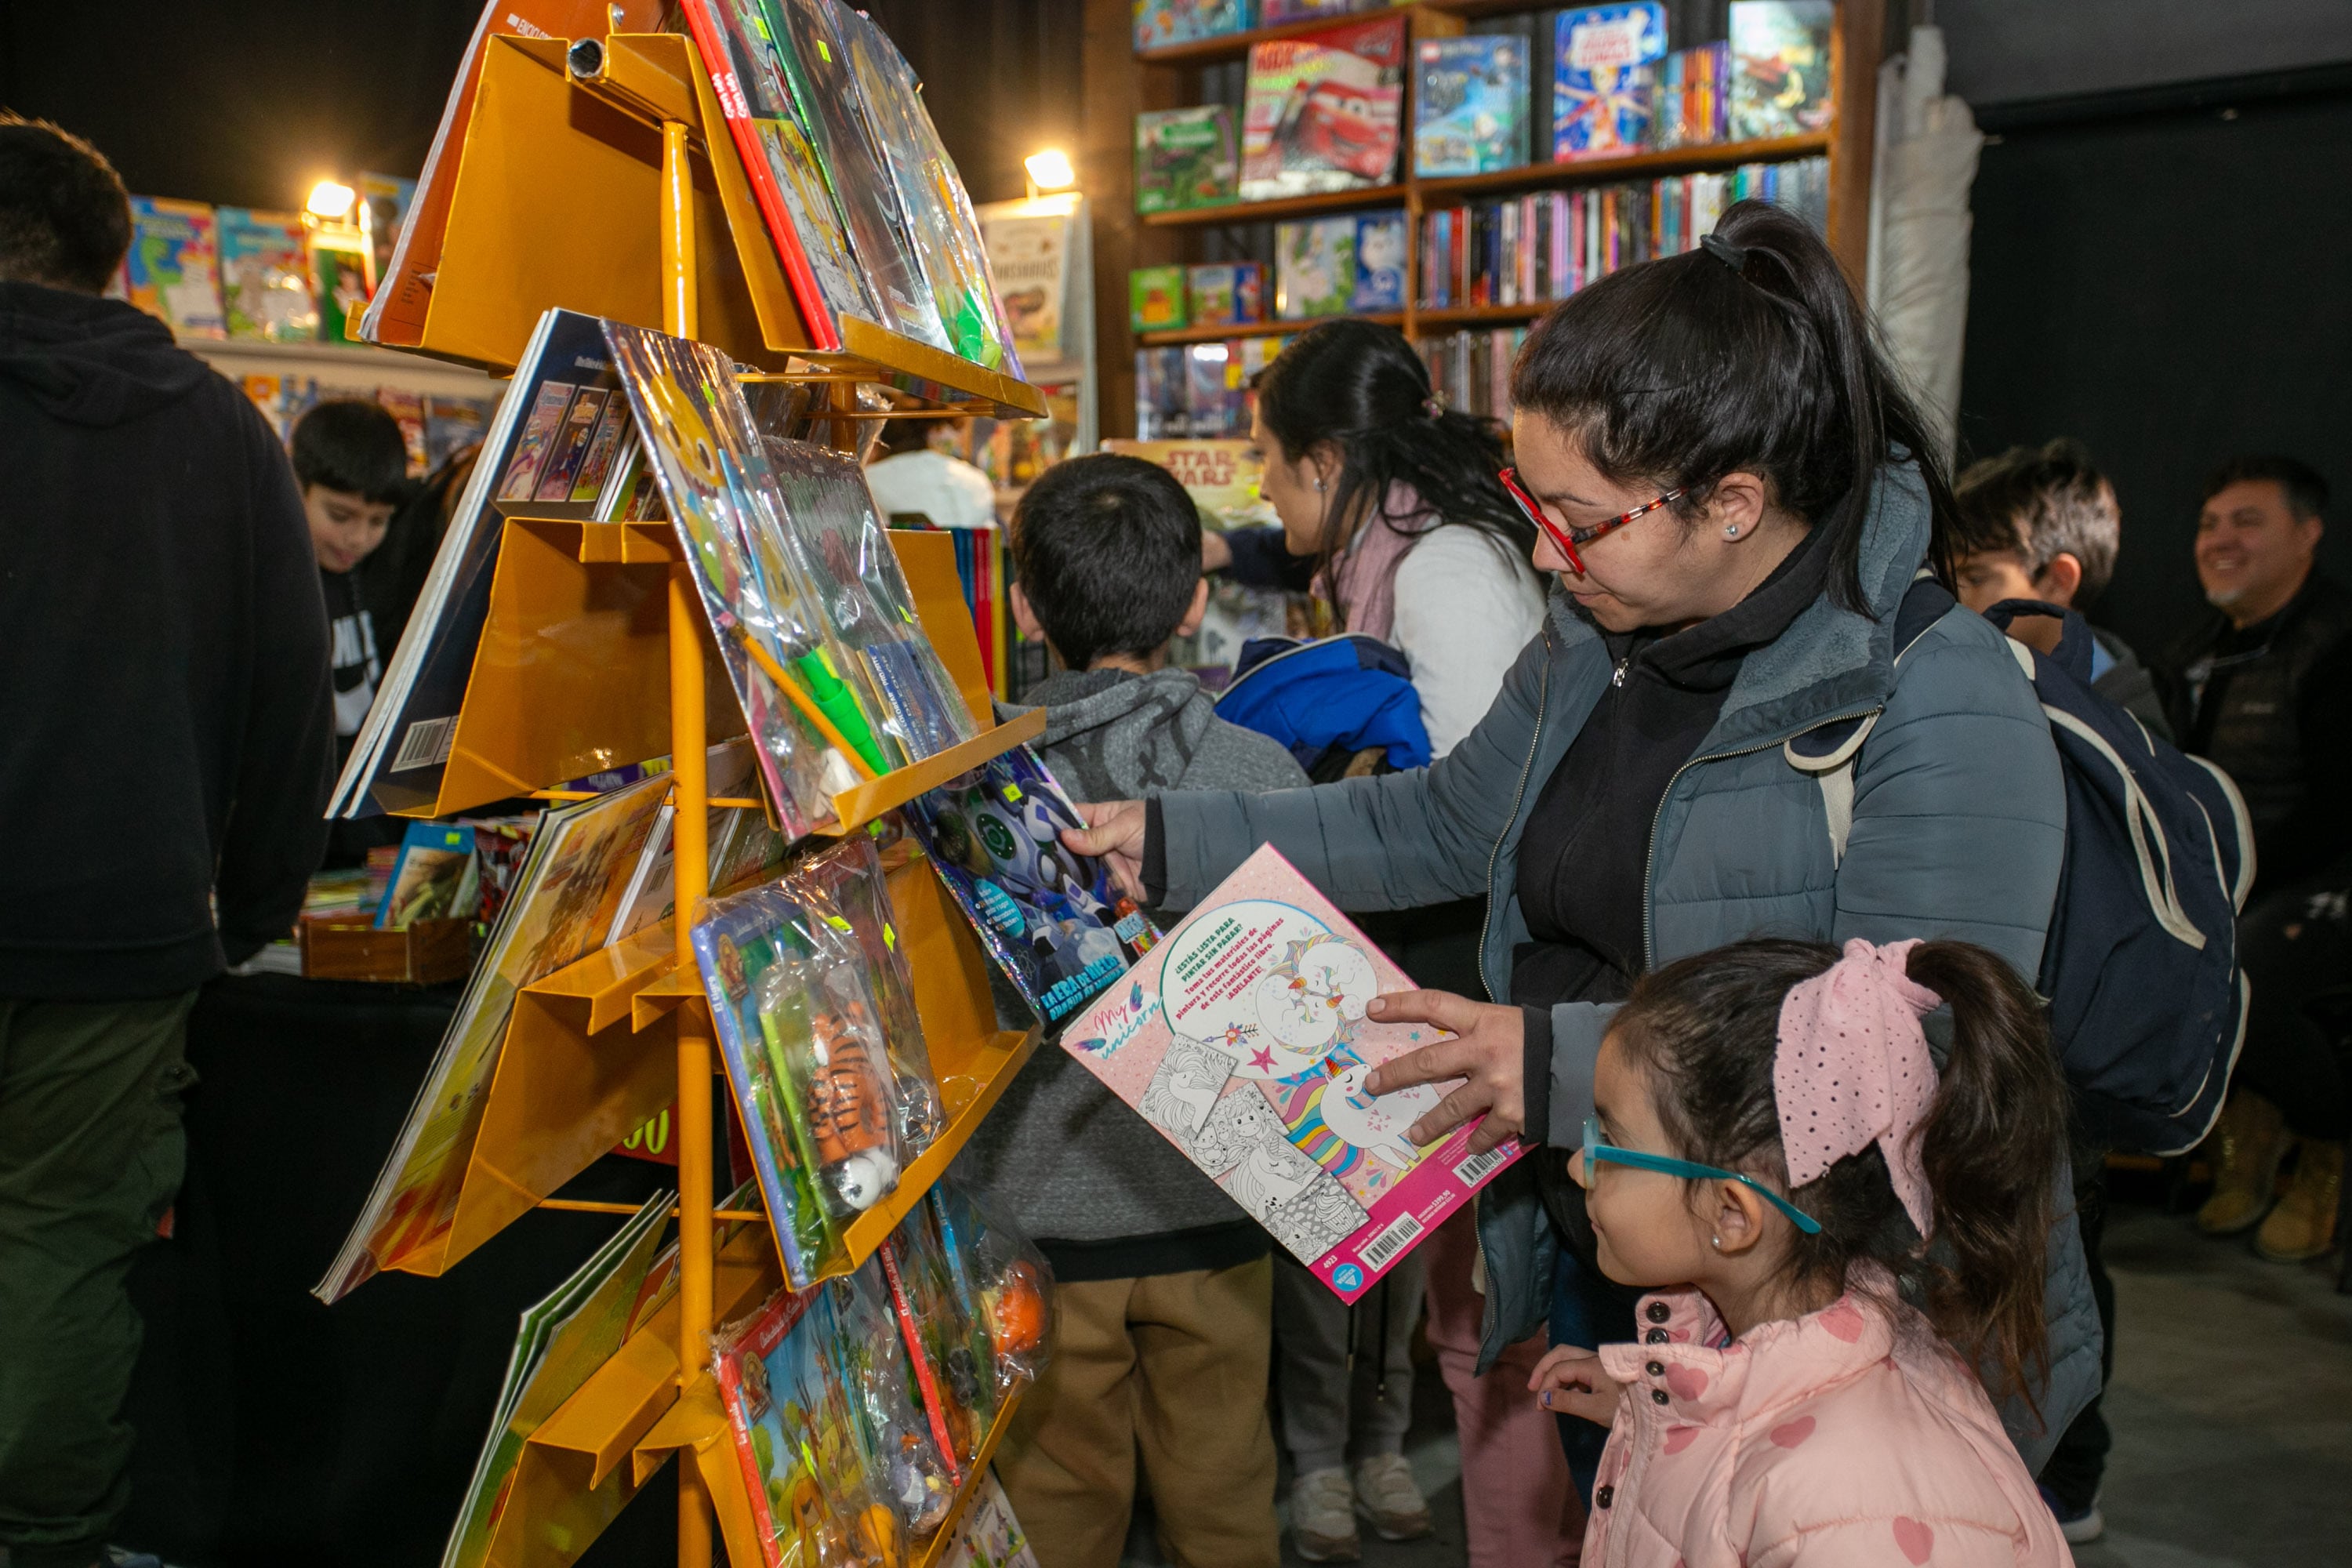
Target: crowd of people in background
[{"x": 1651, "y": 933}]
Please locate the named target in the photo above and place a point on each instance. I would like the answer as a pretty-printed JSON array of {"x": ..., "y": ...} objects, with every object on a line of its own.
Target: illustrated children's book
[
  {"x": 1380, "y": 263},
  {"x": 1781, "y": 67},
  {"x": 989, "y": 1536},
  {"x": 1314, "y": 267},
  {"x": 266, "y": 275},
  {"x": 339, "y": 281},
  {"x": 1603, "y": 78},
  {"x": 1158, "y": 23},
  {"x": 574, "y": 872},
  {"x": 1225, "y": 293},
  {"x": 432, "y": 878},
  {"x": 1470, "y": 104},
  {"x": 173, "y": 266},
  {"x": 1244, "y": 1037},
  {"x": 384, "y": 204},
  {"x": 1155, "y": 298},
  {"x": 1323, "y": 113},
  {"x": 1185, "y": 157},
  {"x": 1053, "y": 920}
]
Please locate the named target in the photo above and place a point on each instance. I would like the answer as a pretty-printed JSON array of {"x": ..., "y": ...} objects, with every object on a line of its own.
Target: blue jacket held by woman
[{"x": 1949, "y": 822}]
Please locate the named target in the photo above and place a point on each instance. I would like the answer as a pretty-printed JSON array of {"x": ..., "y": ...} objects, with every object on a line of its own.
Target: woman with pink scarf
[{"x": 1394, "y": 499}]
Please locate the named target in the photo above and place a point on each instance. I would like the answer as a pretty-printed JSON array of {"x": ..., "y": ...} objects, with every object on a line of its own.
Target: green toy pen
[
  {"x": 784, "y": 1024},
  {"x": 838, "y": 704}
]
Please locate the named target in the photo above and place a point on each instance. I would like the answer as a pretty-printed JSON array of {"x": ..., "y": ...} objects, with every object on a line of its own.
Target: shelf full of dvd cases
[{"x": 666, "y": 609}]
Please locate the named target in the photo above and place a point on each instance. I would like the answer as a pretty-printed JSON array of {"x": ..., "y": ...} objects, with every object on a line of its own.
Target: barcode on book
[
  {"x": 426, "y": 743},
  {"x": 1478, "y": 1167},
  {"x": 1384, "y": 1248}
]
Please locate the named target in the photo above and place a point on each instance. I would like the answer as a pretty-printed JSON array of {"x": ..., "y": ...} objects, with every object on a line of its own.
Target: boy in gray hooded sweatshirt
[{"x": 1165, "y": 1316}]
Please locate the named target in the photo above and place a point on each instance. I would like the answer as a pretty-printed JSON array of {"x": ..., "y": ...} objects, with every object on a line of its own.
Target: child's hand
[{"x": 1569, "y": 1382}]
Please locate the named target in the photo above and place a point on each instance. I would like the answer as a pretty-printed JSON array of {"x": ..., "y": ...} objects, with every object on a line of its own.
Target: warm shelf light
[
  {"x": 330, "y": 199},
  {"x": 1050, "y": 169}
]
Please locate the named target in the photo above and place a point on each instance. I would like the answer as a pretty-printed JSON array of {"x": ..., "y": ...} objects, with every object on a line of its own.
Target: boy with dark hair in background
[
  {"x": 1165, "y": 1316},
  {"x": 2042, "y": 523},
  {"x": 353, "y": 464},
  {"x": 165, "y": 701}
]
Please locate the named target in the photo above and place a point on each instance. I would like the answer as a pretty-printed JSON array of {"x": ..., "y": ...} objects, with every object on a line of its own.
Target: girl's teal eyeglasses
[{"x": 1594, "y": 1149}]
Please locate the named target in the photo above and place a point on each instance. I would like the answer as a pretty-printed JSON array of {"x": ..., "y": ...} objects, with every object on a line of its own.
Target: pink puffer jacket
[{"x": 1853, "y": 1435}]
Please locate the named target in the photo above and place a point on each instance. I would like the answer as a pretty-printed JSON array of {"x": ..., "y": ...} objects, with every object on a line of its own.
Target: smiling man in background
[{"x": 2265, "y": 690}]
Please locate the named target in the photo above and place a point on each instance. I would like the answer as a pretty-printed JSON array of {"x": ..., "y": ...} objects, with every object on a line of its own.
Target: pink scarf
[{"x": 1362, "y": 580}]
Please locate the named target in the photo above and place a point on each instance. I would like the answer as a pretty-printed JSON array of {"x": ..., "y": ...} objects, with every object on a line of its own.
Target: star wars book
[{"x": 1244, "y": 1037}]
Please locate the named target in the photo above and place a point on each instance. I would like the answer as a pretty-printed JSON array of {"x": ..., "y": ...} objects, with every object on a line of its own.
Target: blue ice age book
[
  {"x": 404, "y": 748},
  {"x": 1054, "y": 921},
  {"x": 1604, "y": 76},
  {"x": 1470, "y": 104},
  {"x": 1380, "y": 263}
]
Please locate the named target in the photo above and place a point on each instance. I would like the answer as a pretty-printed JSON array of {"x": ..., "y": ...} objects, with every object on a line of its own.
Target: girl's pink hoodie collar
[{"x": 1693, "y": 1375}]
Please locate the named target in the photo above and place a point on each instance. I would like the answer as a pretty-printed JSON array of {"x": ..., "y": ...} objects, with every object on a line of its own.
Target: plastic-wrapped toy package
[
  {"x": 845, "y": 886},
  {"x": 845, "y": 552},
  {"x": 802, "y": 1037},
  {"x": 793, "y": 1377},
  {"x": 905, "y": 1462},
  {"x": 1005, "y": 1274}
]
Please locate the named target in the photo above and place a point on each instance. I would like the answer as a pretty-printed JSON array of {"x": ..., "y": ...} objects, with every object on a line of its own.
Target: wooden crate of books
[{"x": 352, "y": 947}]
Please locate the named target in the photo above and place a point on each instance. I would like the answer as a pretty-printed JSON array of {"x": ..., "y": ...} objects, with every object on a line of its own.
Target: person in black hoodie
[{"x": 164, "y": 697}]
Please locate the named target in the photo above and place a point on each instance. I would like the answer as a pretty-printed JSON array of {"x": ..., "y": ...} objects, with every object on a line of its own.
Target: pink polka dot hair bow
[{"x": 1852, "y": 1069}]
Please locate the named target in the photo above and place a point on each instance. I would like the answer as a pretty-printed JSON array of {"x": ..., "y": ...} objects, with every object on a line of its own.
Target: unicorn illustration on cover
[{"x": 1343, "y": 1127}]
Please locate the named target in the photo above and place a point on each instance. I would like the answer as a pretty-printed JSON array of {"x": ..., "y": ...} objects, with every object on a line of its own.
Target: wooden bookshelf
[
  {"x": 1121, "y": 82},
  {"x": 1174, "y": 335}
]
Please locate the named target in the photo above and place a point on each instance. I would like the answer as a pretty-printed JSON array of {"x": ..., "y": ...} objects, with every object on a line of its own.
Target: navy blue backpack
[
  {"x": 1329, "y": 700},
  {"x": 2147, "y": 1007}
]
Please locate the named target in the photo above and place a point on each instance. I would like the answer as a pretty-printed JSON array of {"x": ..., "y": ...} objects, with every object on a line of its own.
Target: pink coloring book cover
[{"x": 1242, "y": 1038}]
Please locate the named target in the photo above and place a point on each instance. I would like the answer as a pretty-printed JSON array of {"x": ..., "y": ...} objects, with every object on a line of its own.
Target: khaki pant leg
[
  {"x": 1068, "y": 1462},
  {"x": 1202, "y": 1339}
]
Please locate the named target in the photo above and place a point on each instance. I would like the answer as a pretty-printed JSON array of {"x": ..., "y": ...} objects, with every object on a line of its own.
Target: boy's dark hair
[
  {"x": 351, "y": 445},
  {"x": 1107, "y": 550},
  {"x": 1704, "y": 1030},
  {"x": 2042, "y": 503},
  {"x": 65, "y": 220},
  {"x": 2306, "y": 491},
  {"x": 1752, "y": 355}
]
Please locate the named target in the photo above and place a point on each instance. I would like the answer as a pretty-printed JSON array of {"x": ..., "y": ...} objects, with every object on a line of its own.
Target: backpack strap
[{"x": 1827, "y": 751}]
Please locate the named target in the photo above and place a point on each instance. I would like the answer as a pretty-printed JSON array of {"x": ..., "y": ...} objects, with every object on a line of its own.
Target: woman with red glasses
[{"x": 1711, "y": 739}]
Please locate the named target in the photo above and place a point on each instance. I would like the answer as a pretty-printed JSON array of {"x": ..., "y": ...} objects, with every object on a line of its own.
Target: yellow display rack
[{"x": 577, "y": 185}]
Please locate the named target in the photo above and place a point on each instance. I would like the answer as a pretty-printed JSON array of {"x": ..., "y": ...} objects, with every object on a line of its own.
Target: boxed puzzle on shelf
[
  {"x": 1224, "y": 293},
  {"x": 1323, "y": 113},
  {"x": 1155, "y": 299},
  {"x": 1314, "y": 267},
  {"x": 1470, "y": 104},
  {"x": 1185, "y": 158}
]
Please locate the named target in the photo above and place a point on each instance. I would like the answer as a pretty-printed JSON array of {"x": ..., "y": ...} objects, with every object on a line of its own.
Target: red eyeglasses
[{"x": 1567, "y": 538}]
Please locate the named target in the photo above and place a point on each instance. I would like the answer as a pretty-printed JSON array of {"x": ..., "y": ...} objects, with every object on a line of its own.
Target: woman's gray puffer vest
[{"x": 1950, "y": 821}]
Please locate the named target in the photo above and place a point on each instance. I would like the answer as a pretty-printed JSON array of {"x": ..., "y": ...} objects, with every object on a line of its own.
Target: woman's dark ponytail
[
  {"x": 1991, "y": 1147},
  {"x": 1750, "y": 352},
  {"x": 1360, "y": 386}
]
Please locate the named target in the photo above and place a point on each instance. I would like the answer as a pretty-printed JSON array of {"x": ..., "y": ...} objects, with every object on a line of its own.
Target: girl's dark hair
[
  {"x": 1677, "y": 372},
  {"x": 1706, "y": 1029},
  {"x": 1359, "y": 386}
]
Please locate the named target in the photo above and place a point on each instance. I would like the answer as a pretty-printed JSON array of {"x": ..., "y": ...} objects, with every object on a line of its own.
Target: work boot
[
  {"x": 2302, "y": 1226},
  {"x": 1323, "y": 1514},
  {"x": 1386, "y": 1495},
  {"x": 2247, "y": 1142}
]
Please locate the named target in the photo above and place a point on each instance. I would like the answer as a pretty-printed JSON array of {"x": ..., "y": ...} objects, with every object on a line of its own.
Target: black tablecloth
[{"x": 273, "y": 1428}]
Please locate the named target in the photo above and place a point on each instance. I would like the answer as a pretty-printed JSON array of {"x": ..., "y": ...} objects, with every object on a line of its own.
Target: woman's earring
[
  {"x": 1719, "y": 1243},
  {"x": 1730, "y": 531},
  {"x": 1318, "y": 486}
]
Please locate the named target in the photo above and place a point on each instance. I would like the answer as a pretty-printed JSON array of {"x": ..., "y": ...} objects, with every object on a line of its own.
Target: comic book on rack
[
  {"x": 714, "y": 475},
  {"x": 813, "y": 62},
  {"x": 1054, "y": 921},
  {"x": 395, "y": 315},
  {"x": 939, "y": 221},
  {"x": 1244, "y": 1037},
  {"x": 564, "y": 1338},
  {"x": 403, "y": 748},
  {"x": 1323, "y": 113},
  {"x": 1470, "y": 104},
  {"x": 788, "y": 183},
  {"x": 575, "y": 871},
  {"x": 1781, "y": 67},
  {"x": 1605, "y": 73}
]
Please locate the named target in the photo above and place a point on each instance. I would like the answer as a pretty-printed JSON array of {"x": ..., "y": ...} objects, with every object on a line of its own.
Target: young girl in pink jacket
[{"x": 1773, "y": 1139}]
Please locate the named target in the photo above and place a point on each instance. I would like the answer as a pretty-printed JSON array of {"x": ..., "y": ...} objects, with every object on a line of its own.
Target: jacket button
[
  {"x": 1659, "y": 1395},
  {"x": 1602, "y": 1497},
  {"x": 1658, "y": 1312},
  {"x": 1656, "y": 1369},
  {"x": 1655, "y": 1337}
]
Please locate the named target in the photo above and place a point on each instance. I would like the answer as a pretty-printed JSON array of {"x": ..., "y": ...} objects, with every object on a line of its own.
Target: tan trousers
[{"x": 1170, "y": 1370}]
